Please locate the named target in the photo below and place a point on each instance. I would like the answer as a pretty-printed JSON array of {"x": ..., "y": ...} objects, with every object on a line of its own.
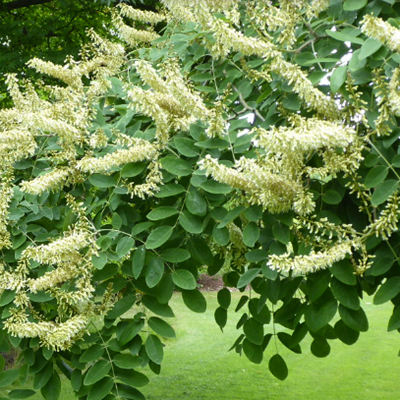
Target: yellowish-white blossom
[
  {"x": 308, "y": 134},
  {"x": 381, "y": 30},
  {"x": 51, "y": 181},
  {"x": 65, "y": 249},
  {"x": 315, "y": 261},
  {"x": 140, "y": 150},
  {"x": 140, "y": 15}
]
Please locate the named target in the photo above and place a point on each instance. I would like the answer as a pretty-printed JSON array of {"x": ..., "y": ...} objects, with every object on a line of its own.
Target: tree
[
  {"x": 49, "y": 29},
  {"x": 255, "y": 138}
]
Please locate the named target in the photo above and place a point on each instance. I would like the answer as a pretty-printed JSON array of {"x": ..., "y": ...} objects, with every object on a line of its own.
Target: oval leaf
[
  {"x": 158, "y": 237},
  {"x": 184, "y": 279},
  {"x": 278, "y": 367}
]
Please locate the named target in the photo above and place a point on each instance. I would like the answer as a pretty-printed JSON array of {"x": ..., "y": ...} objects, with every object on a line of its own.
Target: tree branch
[{"x": 21, "y": 4}]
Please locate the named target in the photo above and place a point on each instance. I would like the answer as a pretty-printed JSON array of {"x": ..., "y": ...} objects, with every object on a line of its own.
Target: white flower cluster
[
  {"x": 52, "y": 181},
  {"x": 315, "y": 261},
  {"x": 387, "y": 222},
  {"x": 393, "y": 93},
  {"x": 140, "y": 15},
  {"x": 61, "y": 250},
  {"x": 141, "y": 150},
  {"x": 312, "y": 97},
  {"x": 6, "y": 194},
  {"x": 57, "y": 336},
  {"x": 307, "y": 135},
  {"x": 381, "y": 30}
]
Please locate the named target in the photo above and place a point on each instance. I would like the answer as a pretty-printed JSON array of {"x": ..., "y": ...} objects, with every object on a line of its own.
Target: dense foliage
[
  {"x": 49, "y": 29},
  {"x": 256, "y": 139}
]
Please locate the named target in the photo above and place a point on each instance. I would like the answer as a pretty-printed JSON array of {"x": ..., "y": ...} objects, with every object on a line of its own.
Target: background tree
[
  {"x": 254, "y": 138},
  {"x": 50, "y": 30}
]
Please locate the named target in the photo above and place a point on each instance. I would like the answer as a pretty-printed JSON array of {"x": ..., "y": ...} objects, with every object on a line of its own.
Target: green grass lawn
[{"x": 198, "y": 366}]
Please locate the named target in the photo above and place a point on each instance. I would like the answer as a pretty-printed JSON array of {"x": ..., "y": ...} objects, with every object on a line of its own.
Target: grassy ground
[{"x": 197, "y": 365}]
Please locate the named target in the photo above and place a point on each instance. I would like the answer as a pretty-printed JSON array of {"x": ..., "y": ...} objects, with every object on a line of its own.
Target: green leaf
[
  {"x": 345, "y": 334},
  {"x": 154, "y": 272},
  {"x": 200, "y": 251},
  {"x": 354, "y": 319},
  {"x": 127, "y": 361},
  {"x": 128, "y": 392},
  {"x": 138, "y": 261},
  {"x": 132, "y": 378},
  {"x": 354, "y": 5},
  {"x": 247, "y": 277},
  {"x": 175, "y": 255},
  {"x": 253, "y": 351},
  {"x": 101, "y": 389},
  {"x": 345, "y": 294},
  {"x": 121, "y": 307},
  {"x": 256, "y": 255},
  {"x": 320, "y": 348},
  {"x": 191, "y": 223},
  {"x": 161, "y": 327},
  {"x": 162, "y": 213},
  {"x": 253, "y": 213},
  {"x": 291, "y": 102},
  {"x": 170, "y": 190},
  {"x": 254, "y": 331},
  {"x": 224, "y": 298},
  {"x": 158, "y": 237},
  {"x": 194, "y": 300},
  {"x": 100, "y": 261},
  {"x": 251, "y": 234},
  {"x": 278, "y": 367},
  {"x": 164, "y": 310},
  {"x": 338, "y": 78},
  {"x": 127, "y": 330},
  {"x": 221, "y": 236},
  {"x": 331, "y": 197},
  {"x": 318, "y": 317},
  {"x": 231, "y": 216},
  {"x": 92, "y": 353},
  {"x": 116, "y": 223},
  {"x": 96, "y": 372},
  {"x": 76, "y": 379},
  {"x": 101, "y": 181},
  {"x": 8, "y": 377},
  {"x": 344, "y": 37},
  {"x": 394, "y": 321},
  {"x": 186, "y": 146},
  {"x": 221, "y": 317},
  {"x": 176, "y": 166},
  {"x": 388, "y": 290},
  {"x": 21, "y": 394},
  {"x": 384, "y": 191},
  {"x": 165, "y": 289},
  {"x": 196, "y": 203},
  {"x": 154, "y": 349},
  {"x": 52, "y": 389},
  {"x": 124, "y": 246},
  {"x": 184, "y": 279},
  {"x": 281, "y": 232},
  {"x": 43, "y": 376},
  {"x": 344, "y": 271},
  {"x": 215, "y": 187},
  {"x": 132, "y": 169},
  {"x": 376, "y": 176},
  {"x": 369, "y": 47}
]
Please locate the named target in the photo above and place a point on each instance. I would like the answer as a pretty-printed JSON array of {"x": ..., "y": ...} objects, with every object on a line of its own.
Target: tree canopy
[
  {"x": 255, "y": 139},
  {"x": 50, "y": 29}
]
